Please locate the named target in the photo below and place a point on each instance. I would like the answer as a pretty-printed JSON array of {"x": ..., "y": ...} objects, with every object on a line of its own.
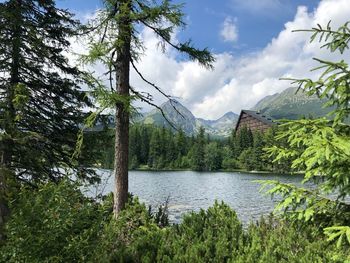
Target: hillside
[
  {"x": 186, "y": 121},
  {"x": 291, "y": 104}
]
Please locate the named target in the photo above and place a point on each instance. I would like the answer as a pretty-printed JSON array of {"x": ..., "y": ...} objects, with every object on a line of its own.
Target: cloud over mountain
[{"x": 239, "y": 82}]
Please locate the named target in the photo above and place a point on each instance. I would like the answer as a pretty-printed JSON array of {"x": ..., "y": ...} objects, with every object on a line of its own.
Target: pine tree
[
  {"x": 198, "y": 158},
  {"x": 118, "y": 47},
  {"x": 135, "y": 145},
  {"x": 39, "y": 94},
  {"x": 181, "y": 143},
  {"x": 145, "y": 139},
  {"x": 155, "y": 149}
]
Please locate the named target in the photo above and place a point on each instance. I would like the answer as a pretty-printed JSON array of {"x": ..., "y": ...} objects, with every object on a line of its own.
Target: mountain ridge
[
  {"x": 182, "y": 118},
  {"x": 291, "y": 104}
]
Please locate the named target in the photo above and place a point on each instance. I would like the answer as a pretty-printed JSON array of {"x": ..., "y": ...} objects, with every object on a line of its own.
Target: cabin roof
[{"x": 257, "y": 115}]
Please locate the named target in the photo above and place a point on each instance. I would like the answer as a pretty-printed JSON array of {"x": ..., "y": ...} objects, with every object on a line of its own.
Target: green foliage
[
  {"x": 55, "y": 223},
  {"x": 41, "y": 102},
  {"x": 161, "y": 148},
  {"x": 272, "y": 240},
  {"x": 321, "y": 147},
  {"x": 248, "y": 159},
  {"x": 213, "y": 157},
  {"x": 198, "y": 152},
  {"x": 340, "y": 232},
  {"x": 133, "y": 237},
  {"x": 214, "y": 235}
]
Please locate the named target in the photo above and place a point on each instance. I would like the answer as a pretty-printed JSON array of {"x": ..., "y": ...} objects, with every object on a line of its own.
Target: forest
[
  {"x": 48, "y": 155},
  {"x": 159, "y": 148}
]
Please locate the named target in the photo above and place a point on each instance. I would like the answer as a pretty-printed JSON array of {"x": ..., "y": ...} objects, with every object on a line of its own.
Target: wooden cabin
[{"x": 254, "y": 120}]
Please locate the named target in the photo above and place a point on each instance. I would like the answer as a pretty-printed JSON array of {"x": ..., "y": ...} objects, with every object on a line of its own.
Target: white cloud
[
  {"x": 288, "y": 55},
  {"x": 229, "y": 30},
  {"x": 238, "y": 83}
]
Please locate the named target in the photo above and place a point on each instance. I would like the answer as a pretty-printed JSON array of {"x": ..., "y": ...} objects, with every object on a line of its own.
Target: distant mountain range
[
  {"x": 288, "y": 104},
  {"x": 182, "y": 118}
]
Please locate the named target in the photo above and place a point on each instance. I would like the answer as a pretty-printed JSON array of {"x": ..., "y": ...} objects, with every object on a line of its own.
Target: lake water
[{"x": 191, "y": 191}]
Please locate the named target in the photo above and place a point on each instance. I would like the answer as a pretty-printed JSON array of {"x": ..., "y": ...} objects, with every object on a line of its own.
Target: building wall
[{"x": 252, "y": 123}]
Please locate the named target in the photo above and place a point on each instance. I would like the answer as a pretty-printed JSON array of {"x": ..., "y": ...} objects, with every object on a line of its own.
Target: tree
[
  {"x": 118, "y": 47},
  {"x": 181, "y": 142},
  {"x": 321, "y": 147},
  {"x": 40, "y": 100},
  {"x": 155, "y": 149},
  {"x": 213, "y": 156},
  {"x": 198, "y": 151}
]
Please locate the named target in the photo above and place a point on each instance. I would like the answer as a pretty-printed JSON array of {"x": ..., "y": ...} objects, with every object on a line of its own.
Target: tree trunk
[
  {"x": 122, "y": 111},
  {"x": 6, "y": 168}
]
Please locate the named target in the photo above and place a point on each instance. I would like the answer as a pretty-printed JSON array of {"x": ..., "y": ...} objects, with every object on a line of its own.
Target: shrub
[
  {"x": 134, "y": 237},
  {"x": 55, "y": 223},
  {"x": 274, "y": 240},
  {"x": 208, "y": 236}
]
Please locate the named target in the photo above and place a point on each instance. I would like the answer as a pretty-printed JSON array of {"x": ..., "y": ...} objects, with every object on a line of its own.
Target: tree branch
[
  {"x": 149, "y": 102},
  {"x": 157, "y": 88}
]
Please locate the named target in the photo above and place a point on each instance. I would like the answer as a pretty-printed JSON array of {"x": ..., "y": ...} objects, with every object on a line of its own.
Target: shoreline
[{"x": 144, "y": 169}]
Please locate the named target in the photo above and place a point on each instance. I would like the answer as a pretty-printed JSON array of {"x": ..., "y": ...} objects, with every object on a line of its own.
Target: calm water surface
[{"x": 191, "y": 191}]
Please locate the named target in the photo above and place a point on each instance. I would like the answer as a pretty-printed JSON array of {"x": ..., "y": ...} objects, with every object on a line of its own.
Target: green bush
[
  {"x": 272, "y": 240},
  {"x": 57, "y": 223},
  {"x": 134, "y": 237},
  {"x": 208, "y": 236}
]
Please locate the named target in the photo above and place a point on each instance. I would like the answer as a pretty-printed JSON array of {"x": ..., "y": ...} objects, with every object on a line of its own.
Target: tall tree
[
  {"x": 118, "y": 46},
  {"x": 39, "y": 95}
]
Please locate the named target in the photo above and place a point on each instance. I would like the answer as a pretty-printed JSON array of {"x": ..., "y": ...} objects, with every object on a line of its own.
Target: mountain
[
  {"x": 220, "y": 127},
  {"x": 183, "y": 118},
  {"x": 180, "y": 117},
  {"x": 291, "y": 104}
]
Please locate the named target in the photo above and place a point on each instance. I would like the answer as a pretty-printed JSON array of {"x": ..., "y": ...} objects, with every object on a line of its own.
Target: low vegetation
[{"x": 56, "y": 223}]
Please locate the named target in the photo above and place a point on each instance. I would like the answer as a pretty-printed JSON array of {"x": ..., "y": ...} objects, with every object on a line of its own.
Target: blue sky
[
  {"x": 204, "y": 18},
  {"x": 252, "y": 41}
]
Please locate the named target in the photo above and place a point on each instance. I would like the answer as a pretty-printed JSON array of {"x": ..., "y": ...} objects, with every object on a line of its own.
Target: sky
[{"x": 252, "y": 41}]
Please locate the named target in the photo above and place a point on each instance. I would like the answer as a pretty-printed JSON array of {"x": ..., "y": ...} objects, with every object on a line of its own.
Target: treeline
[{"x": 153, "y": 147}]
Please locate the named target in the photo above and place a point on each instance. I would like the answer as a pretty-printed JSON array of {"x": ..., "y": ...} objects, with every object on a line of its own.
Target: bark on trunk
[{"x": 122, "y": 112}]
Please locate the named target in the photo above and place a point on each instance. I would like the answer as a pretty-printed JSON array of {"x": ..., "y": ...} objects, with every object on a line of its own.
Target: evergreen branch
[{"x": 202, "y": 56}]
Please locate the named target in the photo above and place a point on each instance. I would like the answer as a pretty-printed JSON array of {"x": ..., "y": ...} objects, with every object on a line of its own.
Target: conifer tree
[
  {"x": 144, "y": 145},
  {"x": 181, "y": 144},
  {"x": 320, "y": 147},
  {"x": 118, "y": 46},
  {"x": 198, "y": 154},
  {"x": 39, "y": 94}
]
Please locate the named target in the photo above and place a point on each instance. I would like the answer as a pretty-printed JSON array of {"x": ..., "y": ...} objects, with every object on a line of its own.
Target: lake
[{"x": 191, "y": 191}]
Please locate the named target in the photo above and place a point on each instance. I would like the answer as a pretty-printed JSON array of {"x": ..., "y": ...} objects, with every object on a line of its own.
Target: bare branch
[
  {"x": 157, "y": 88},
  {"x": 149, "y": 102}
]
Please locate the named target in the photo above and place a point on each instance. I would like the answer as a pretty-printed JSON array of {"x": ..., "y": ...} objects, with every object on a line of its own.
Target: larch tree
[
  {"x": 115, "y": 42},
  {"x": 40, "y": 99}
]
